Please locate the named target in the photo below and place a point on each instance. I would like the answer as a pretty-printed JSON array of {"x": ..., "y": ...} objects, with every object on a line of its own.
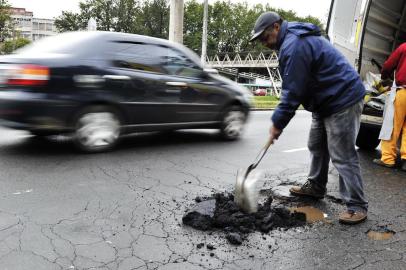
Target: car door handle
[
  {"x": 117, "y": 77},
  {"x": 169, "y": 91},
  {"x": 176, "y": 84}
]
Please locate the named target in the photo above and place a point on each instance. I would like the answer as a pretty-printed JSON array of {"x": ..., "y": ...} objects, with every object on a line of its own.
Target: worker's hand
[{"x": 274, "y": 134}]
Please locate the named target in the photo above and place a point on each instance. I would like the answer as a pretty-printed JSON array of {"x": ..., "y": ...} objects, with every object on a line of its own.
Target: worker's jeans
[{"x": 334, "y": 137}]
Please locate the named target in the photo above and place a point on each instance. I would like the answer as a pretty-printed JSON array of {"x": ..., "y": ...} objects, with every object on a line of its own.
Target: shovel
[{"x": 246, "y": 194}]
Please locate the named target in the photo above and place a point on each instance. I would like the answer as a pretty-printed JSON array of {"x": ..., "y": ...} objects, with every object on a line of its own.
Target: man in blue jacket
[{"x": 318, "y": 76}]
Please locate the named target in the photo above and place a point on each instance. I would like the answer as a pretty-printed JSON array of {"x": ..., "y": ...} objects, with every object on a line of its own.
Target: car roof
[{"x": 118, "y": 36}]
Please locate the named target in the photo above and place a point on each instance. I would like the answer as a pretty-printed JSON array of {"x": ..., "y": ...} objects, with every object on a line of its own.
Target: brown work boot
[
  {"x": 381, "y": 163},
  {"x": 308, "y": 189},
  {"x": 352, "y": 217}
]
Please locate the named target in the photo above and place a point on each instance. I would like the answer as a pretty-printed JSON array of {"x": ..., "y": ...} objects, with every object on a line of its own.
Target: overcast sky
[{"x": 54, "y": 8}]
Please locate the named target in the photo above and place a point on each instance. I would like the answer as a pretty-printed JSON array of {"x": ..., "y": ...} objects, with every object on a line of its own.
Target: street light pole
[
  {"x": 204, "y": 38},
  {"x": 176, "y": 21}
]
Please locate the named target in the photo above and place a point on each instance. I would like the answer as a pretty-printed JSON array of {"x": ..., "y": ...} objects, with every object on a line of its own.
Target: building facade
[{"x": 26, "y": 26}]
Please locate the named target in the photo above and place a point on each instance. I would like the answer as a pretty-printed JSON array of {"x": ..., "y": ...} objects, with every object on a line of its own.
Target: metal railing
[
  {"x": 249, "y": 60},
  {"x": 229, "y": 63}
]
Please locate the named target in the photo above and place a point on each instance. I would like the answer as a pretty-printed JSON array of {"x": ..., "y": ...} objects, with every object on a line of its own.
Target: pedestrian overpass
[{"x": 231, "y": 64}]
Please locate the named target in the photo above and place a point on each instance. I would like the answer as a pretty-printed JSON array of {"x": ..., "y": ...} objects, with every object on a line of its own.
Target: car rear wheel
[
  {"x": 232, "y": 124},
  {"x": 368, "y": 138},
  {"x": 97, "y": 129}
]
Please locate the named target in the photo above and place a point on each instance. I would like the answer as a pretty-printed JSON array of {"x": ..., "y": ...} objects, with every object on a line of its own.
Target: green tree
[
  {"x": 68, "y": 21},
  {"x": 103, "y": 11},
  {"x": 229, "y": 27},
  {"x": 154, "y": 18},
  {"x": 193, "y": 25},
  {"x": 11, "y": 45},
  {"x": 6, "y": 23},
  {"x": 148, "y": 17},
  {"x": 126, "y": 12}
]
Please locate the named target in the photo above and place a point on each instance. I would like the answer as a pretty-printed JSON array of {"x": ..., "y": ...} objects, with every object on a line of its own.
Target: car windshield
[{"x": 66, "y": 43}]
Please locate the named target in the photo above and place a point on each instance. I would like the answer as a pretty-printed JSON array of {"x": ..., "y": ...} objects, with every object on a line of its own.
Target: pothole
[
  {"x": 380, "y": 233},
  {"x": 312, "y": 214},
  {"x": 220, "y": 212}
]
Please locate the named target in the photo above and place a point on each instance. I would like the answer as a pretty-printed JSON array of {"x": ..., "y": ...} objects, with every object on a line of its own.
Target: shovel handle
[{"x": 261, "y": 154}]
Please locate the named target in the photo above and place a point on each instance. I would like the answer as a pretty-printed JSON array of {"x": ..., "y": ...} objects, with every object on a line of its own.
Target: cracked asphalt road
[{"x": 123, "y": 210}]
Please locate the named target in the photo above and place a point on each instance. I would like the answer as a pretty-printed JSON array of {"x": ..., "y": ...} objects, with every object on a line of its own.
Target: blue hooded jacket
[{"x": 314, "y": 73}]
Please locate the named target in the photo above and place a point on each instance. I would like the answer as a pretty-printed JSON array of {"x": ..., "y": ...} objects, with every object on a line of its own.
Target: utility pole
[
  {"x": 176, "y": 21},
  {"x": 204, "y": 38}
]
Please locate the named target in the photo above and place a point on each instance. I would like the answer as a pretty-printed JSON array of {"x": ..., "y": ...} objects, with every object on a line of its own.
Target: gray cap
[{"x": 263, "y": 22}]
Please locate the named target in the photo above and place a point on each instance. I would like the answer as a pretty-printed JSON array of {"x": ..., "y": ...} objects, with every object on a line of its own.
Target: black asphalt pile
[{"x": 220, "y": 212}]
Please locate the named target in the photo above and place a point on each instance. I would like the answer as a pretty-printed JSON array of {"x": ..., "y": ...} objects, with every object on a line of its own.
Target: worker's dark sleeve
[
  {"x": 296, "y": 70},
  {"x": 390, "y": 65}
]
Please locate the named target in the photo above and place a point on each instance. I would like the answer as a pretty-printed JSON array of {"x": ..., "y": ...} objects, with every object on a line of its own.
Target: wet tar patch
[
  {"x": 220, "y": 212},
  {"x": 380, "y": 233}
]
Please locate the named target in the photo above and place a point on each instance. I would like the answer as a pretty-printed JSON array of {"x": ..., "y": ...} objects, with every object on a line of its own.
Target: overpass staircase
[{"x": 230, "y": 64}]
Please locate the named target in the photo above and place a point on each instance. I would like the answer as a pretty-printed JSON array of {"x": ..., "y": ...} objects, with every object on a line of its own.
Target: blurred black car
[{"x": 100, "y": 85}]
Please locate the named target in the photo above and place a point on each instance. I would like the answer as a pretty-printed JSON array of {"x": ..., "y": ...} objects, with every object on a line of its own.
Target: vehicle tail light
[{"x": 28, "y": 75}]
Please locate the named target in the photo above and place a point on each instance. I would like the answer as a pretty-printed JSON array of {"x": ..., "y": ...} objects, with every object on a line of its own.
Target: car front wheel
[
  {"x": 97, "y": 129},
  {"x": 232, "y": 124}
]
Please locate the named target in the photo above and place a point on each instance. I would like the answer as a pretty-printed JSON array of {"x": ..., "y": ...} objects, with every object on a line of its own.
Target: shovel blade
[{"x": 246, "y": 191}]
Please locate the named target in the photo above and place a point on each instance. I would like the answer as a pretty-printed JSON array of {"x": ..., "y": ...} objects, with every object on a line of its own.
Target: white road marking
[
  {"x": 21, "y": 192},
  {"x": 295, "y": 150}
]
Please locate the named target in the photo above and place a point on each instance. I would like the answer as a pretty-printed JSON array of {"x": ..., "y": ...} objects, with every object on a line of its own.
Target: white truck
[{"x": 366, "y": 32}]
